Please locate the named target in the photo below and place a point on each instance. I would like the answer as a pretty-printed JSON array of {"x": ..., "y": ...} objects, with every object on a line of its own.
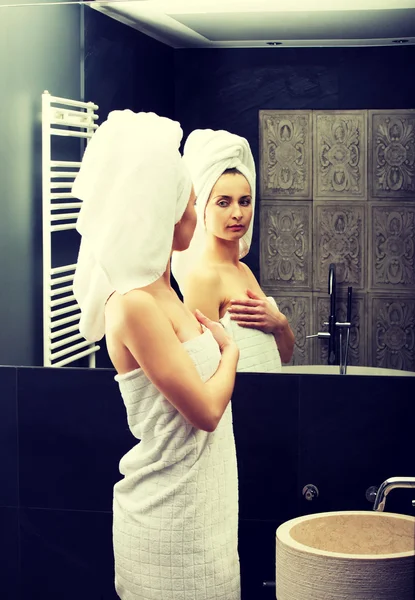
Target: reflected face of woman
[
  {"x": 229, "y": 208},
  {"x": 185, "y": 228}
]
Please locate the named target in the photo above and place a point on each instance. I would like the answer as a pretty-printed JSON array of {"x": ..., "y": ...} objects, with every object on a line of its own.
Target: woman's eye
[
  {"x": 222, "y": 203},
  {"x": 245, "y": 202}
]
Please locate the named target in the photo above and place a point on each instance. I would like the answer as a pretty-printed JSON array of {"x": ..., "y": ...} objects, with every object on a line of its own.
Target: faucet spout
[{"x": 387, "y": 486}]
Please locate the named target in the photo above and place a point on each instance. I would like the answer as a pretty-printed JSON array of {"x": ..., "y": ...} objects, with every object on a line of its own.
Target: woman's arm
[{"x": 149, "y": 336}]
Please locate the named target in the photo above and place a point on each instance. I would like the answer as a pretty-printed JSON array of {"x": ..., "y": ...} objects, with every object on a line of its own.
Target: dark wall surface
[{"x": 125, "y": 68}]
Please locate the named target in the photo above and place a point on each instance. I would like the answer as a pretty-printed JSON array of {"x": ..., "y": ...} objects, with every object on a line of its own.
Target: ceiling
[{"x": 268, "y": 23}]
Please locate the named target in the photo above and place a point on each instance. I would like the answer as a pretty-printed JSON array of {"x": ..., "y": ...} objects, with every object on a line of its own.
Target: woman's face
[
  {"x": 229, "y": 208},
  {"x": 184, "y": 229}
]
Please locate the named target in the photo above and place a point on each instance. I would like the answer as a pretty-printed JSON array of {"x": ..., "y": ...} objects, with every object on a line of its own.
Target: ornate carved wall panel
[
  {"x": 339, "y": 160},
  {"x": 297, "y": 309},
  {"x": 392, "y": 246},
  {"x": 285, "y": 154},
  {"x": 358, "y": 331},
  {"x": 392, "y": 153},
  {"x": 393, "y": 332},
  {"x": 285, "y": 238},
  {"x": 339, "y": 237}
]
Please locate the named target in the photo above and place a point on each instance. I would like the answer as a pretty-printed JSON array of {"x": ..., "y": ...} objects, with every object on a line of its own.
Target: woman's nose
[{"x": 237, "y": 212}]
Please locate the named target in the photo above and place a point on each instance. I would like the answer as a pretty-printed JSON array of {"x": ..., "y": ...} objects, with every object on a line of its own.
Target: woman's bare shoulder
[
  {"x": 135, "y": 307},
  {"x": 204, "y": 274}
]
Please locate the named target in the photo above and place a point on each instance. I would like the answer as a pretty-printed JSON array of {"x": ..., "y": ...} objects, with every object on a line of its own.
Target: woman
[
  {"x": 210, "y": 273},
  {"x": 175, "y": 510}
]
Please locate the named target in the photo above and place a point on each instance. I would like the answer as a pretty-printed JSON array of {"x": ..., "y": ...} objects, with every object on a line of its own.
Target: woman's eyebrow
[{"x": 230, "y": 197}]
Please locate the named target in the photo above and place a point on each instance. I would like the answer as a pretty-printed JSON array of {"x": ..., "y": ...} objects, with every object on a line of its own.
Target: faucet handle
[{"x": 320, "y": 334}]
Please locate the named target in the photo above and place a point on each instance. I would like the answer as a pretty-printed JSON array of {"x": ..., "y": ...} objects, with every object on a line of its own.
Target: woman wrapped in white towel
[
  {"x": 210, "y": 273},
  {"x": 176, "y": 507}
]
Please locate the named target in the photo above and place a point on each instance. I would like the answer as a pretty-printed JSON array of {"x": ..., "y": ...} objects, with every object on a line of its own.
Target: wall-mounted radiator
[{"x": 62, "y": 118}]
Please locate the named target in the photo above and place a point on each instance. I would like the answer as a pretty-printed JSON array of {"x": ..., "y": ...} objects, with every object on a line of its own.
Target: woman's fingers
[
  {"x": 243, "y": 310},
  {"x": 247, "y": 302},
  {"x": 247, "y": 318}
]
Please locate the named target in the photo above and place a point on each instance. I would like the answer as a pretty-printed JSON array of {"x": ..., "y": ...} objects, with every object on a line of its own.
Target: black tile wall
[
  {"x": 72, "y": 433},
  {"x": 257, "y": 558},
  {"x": 265, "y": 413},
  {"x": 355, "y": 433},
  {"x": 9, "y": 553},
  {"x": 8, "y": 437},
  {"x": 66, "y": 555}
]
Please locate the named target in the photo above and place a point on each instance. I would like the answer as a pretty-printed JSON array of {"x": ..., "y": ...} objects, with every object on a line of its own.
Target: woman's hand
[
  {"x": 258, "y": 313},
  {"x": 218, "y": 332}
]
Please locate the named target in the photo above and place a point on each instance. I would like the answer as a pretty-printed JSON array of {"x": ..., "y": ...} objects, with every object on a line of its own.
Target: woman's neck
[{"x": 222, "y": 251}]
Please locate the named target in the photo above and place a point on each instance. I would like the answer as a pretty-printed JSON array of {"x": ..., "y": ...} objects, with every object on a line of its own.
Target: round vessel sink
[{"x": 348, "y": 555}]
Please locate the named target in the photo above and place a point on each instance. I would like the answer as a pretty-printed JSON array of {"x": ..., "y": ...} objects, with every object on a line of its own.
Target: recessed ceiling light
[
  {"x": 400, "y": 41},
  {"x": 274, "y": 43}
]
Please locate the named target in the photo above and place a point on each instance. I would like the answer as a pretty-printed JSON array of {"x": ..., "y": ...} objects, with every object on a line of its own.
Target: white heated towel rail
[{"x": 62, "y": 341}]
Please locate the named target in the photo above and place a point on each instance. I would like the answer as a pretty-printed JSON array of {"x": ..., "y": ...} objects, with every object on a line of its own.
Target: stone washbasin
[{"x": 347, "y": 555}]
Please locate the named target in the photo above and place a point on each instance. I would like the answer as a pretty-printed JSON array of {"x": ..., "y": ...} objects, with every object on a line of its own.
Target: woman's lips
[{"x": 236, "y": 227}]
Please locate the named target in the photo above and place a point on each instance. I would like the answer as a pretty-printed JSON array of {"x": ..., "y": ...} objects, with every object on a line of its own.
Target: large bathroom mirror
[{"x": 331, "y": 129}]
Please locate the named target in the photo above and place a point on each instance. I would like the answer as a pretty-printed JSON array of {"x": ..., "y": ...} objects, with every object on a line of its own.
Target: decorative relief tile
[
  {"x": 358, "y": 330},
  {"x": 392, "y": 246},
  {"x": 339, "y": 237},
  {"x": 393, "y": 332},
  {"x": 392, "y": 153},
  {"x": 285, "y": 239},
  {"x": 297, "y": 309},
  {"x": 339, "y": 154},
  {"x": 285, "y": 154}
]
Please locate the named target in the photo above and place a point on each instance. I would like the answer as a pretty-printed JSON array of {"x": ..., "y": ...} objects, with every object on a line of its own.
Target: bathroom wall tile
[
  {"x": 340, "y": 237},
  {"x": 66, "y": 555},
  {"x": 340, "y": 139},
  {"x": 265, "y": 413},
  {"x": 358, "y": 331},
  {"x": 72, "y": 433},
  {"x": 392, "y": 146},
  {"x": 354, "y": 433},
  {"x": 392, "y": 322},
  {"x": 8, "y": 438},
  {"x": 286, "y": 246},
  {"x": 392, "y": 246},
  {"x": 257, "y": 558},
  {"x": 285, "y": 154},
  {"x": 298, "y": 310},
  {"x": 9, "y": 554}
]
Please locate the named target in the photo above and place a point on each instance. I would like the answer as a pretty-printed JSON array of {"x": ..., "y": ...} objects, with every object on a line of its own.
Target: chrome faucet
[
  {"x": 335, "y": 357},
  {"x": 388, "y": 485}
]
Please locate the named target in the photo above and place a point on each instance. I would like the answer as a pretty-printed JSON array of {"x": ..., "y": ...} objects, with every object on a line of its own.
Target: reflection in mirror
[{"x": 326, "y": 193}]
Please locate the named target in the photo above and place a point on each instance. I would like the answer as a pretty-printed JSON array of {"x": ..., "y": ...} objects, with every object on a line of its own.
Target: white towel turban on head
[
  {"x": 135, "y": 188},
  {"x": 208, "y": 154}
]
